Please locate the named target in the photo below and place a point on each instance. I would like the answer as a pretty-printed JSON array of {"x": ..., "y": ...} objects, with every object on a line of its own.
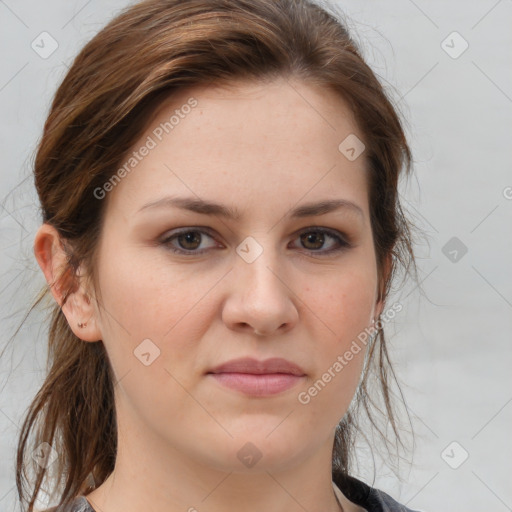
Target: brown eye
[
  {"x": 187, "y": 241},
  {"x": 315, "y": 239}
]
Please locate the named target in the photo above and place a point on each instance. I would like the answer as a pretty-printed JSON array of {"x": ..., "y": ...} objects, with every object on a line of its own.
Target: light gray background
[{"x": 452, "y": 346}]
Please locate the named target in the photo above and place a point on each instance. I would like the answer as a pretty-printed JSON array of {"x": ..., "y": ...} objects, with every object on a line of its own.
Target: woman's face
[{"x": 278, "y": 280}]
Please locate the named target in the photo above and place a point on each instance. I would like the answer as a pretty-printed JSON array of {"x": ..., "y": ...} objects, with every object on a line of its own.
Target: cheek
[
  {"x": 148, "y": 297},
  {"x": 341, "y": 306},
  {"x": 339, "y": 312},
  {"x": 141, "y": 302},
  {"x": 152, "y": 300}
]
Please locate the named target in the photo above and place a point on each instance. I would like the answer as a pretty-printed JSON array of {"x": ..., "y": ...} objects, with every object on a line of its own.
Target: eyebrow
[{"x": 204, "y": 207}]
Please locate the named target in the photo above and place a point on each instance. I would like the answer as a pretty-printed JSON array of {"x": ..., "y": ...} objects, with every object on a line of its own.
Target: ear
[
  {"x": 67, "y": 289},
  {"x": 379, "y": 305}
]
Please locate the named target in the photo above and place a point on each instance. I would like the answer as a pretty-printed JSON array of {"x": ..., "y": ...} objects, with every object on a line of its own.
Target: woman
[{"x": 221, "y": 226}]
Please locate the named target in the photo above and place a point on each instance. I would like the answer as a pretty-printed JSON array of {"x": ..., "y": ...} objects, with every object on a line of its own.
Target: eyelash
[{"x": 333, "y": 234}]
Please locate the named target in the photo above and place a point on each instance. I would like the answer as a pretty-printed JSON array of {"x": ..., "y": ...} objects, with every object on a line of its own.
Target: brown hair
[{"x": 149, "y": 51}]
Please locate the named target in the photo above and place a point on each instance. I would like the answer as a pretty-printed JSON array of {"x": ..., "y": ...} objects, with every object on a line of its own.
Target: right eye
[{"x": 189, "y": 240}]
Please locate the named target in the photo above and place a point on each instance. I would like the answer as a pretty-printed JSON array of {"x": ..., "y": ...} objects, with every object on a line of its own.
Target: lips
[
  {"x": 258, "y": 378},
  {"x": 249, "y": 365}
]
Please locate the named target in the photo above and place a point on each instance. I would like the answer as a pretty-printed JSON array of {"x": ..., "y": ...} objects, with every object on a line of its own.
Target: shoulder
[
  {"x": 79, "y": 504},
  {"x": 370, "y": 498}
]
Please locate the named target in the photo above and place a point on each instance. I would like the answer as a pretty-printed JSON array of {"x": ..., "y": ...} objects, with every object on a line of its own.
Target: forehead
[
  {"x": 289, "y": 98},
  {"x": 243, "y": 143}
]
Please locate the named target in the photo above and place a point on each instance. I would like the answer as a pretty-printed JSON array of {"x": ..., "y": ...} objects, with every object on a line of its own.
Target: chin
[{"x": 257, "y": 451}]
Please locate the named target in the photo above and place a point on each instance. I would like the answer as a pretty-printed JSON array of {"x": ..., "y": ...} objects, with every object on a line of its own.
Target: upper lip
[{"x": 251, "y": 365}]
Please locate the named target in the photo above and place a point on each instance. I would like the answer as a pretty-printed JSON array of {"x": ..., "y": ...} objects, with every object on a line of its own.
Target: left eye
[
  {"x": 189, "y": 241},
  {"x": 317, "y": 237}
]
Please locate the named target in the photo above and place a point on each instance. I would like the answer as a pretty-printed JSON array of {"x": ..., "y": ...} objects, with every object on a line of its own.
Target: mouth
[
  {"x": 258, "y": 378},
  {"x": 257, "y": 384}
]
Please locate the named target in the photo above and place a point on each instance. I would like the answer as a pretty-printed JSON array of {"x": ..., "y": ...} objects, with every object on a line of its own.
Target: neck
[{"x": 153, "y": 476}]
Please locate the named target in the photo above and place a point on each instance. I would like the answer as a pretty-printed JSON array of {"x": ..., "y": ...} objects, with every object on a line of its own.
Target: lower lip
[{"x": 257, "y": 385}]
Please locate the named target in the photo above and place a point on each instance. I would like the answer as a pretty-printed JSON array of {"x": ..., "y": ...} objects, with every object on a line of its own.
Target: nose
[{"x": 261, "y": 299}]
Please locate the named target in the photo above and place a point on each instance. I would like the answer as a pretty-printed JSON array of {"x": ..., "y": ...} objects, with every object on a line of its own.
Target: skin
[{"x": 263, "y": 148}]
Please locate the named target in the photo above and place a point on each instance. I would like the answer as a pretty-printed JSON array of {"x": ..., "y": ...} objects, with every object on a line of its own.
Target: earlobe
[
  {"x": 81, "y": 316},
  {"x": 66, "y": 289}
]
